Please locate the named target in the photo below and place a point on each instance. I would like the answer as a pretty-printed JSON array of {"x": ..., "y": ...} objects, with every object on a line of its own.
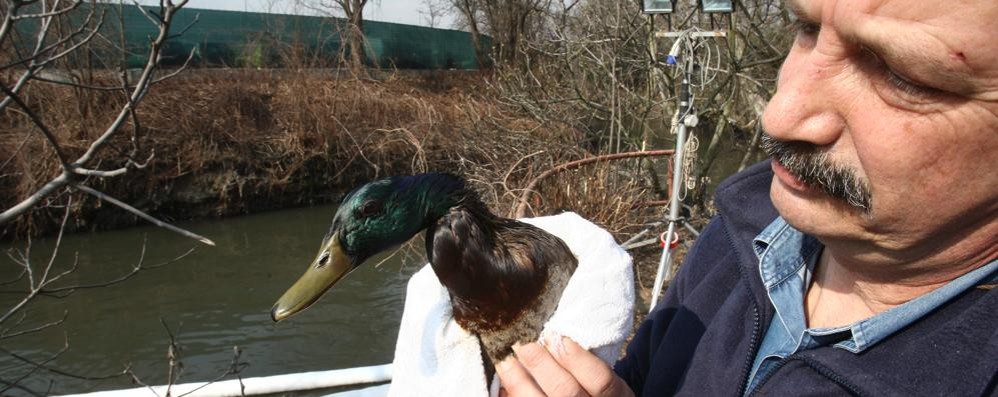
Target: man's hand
[{"x": 565, "y": 370}]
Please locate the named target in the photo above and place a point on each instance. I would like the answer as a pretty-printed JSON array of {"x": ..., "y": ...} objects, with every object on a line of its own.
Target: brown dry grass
[{"x": 236, "y": 141}]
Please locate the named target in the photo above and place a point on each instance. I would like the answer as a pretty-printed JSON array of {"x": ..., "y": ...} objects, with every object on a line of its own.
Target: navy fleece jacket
[{"x": 702, "y": 338}]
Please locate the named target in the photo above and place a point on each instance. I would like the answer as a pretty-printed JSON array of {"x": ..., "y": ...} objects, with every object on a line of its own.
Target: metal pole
[{"x": 664, "y": 272}]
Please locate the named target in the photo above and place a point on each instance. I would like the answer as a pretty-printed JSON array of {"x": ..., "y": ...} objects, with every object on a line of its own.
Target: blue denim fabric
[{"x": 786, "y": 261}]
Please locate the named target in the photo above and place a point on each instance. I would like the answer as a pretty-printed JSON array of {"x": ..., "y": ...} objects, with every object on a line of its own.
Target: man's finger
[
  {"x": 597, "y": 378},
  {"x": 554, "y": 380},
  {"x": 515, "y": 380}
]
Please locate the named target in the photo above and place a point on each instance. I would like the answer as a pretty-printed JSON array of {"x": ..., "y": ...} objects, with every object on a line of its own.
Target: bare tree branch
[
  {"x": 33, "y": 287},
  {"x": 33, "y": 367},
  {"x": 71, "y": 7},
  {"x": 37, "y": 121},
  {"x": 72, "y": 172},
  {"x": 62, "y": 292},
  {"x": 4, "y": 334},
  {"x": 172, "y": 356},
  {"x": 44, "y": 365},
  {"x": 12, "y": 385},
  {"x": 235, "y": 368},
  {"x": 143, "y": 215},
  {"x": 57, "y": 36}
]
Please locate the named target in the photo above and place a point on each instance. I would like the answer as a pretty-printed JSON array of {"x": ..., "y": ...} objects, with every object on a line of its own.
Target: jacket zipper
[
  {"x": 756, "y": 322},
  {"x": 753, "y": 350}
]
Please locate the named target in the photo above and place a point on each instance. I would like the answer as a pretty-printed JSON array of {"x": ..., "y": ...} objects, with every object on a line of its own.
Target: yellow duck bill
[{"x": 326, "y": 269}]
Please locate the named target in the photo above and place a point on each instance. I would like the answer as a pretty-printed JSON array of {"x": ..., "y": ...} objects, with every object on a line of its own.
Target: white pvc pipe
[{"x": 262, "y": 385}]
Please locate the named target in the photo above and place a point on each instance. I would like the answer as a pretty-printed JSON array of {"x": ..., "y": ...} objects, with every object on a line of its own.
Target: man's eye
[
  {"x": 805, "y": 28},
  {"x": 906, "y": 86},
  {"x": 805, "y": 33},
  {"x": 895, "y": 86}
]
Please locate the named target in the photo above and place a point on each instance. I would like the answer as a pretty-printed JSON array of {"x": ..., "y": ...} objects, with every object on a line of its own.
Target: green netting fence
[{"x": 251, "y": 39}]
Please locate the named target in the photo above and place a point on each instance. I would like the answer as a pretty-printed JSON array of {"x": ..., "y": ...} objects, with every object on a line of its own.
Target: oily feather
[{"x": 505, "y": 277}]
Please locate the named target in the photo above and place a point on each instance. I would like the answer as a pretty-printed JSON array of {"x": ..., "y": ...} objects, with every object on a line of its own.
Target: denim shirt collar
[
  {"x": 785, "y": 252},
  {"x": 786, "y": 249}
]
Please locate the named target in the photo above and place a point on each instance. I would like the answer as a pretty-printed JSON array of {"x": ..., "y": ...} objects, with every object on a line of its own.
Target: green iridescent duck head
[{"x": 373, "y": 218}]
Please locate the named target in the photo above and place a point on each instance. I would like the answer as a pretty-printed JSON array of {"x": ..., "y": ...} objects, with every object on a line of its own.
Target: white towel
[{"x": 436, "y": 357}]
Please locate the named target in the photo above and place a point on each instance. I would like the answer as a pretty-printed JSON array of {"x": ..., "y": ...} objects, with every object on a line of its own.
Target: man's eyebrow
[
  {"x": 910, "y": 58},
  {"x": 796, "y": 9}
]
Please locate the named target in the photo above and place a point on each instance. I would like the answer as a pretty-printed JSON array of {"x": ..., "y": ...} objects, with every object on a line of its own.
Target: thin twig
[
  {"x": 44, "y": 365},
  {"x": 34, "y": 288},
  {"x": 65, "y": 291},
  {"x": 12, "y": 385},
  {"x": 37, "y": 121},
  {"x": 39, "y": 328},
  {"x": 235, "y": 368},
  {"x": 173, "y": 356},
  {"x": 143, "y": 215},
  {"x": 521, "y": 209},
  {"x": 35, "y": 366},
  {"x": 72, "y": 7}
]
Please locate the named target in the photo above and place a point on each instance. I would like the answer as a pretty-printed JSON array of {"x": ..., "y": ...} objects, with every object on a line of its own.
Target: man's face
[{"x": 896, "y": 103}]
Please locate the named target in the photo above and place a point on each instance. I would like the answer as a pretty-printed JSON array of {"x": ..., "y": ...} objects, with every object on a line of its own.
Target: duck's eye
[
  {"x": 369, "y": 208},
  {"x": 323, "y": 259}
]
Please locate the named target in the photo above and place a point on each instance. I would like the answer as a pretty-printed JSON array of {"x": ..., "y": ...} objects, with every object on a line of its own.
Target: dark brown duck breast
[{"x": 505, "y": 277}]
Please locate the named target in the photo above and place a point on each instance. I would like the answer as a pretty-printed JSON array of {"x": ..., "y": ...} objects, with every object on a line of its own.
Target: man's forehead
[
  {"x": 954, "y": 38},
  {"x": 960, "y": 16}
]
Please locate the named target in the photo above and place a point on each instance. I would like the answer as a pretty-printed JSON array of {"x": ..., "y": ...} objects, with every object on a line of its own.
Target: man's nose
[{"x": 807, "y": 105}]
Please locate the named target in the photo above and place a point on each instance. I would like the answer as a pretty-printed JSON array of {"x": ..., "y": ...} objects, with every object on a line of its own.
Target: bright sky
[{"x": 398, "y": 11}]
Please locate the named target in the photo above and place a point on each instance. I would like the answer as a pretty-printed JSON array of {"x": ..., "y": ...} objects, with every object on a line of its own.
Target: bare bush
[
  {"x": 597, "y": 67},
  {"x": 511, "y": 25},
  {"x": 354, "y": 48},
  {"x": 79, "y": 155},
  {"x": 55, "y": 152}
]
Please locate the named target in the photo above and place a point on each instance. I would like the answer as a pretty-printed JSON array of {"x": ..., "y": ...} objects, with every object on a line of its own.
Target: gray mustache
[{"x": 813, "y": 167}]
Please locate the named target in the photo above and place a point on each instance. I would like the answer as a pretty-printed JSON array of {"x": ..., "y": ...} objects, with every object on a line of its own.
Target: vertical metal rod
[
  {"x": 664, "y": 266},
  {"x": 664, "y": 272}
]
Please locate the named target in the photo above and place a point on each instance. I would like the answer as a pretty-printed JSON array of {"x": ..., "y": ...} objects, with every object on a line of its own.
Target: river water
[{"x": 213, "y": 299}]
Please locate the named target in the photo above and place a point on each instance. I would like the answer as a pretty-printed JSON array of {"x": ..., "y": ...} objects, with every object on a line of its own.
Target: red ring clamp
[{"x": 672, "y": 244}]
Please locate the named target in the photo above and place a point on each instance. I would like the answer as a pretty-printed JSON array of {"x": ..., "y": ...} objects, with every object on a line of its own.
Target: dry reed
[{"x": 235, "y": 141}]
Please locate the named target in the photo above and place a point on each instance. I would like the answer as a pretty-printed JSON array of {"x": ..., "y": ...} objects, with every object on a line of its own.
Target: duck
[{"x": 504, "y": 277}]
